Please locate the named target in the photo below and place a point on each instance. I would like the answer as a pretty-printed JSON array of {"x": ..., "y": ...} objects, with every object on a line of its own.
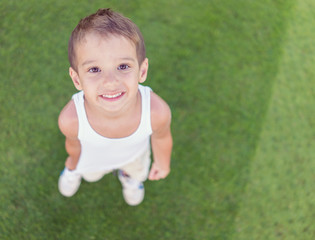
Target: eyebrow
[
  {"x": 87, "y": 62},
  {"x": 123, "y": 58},
  {"x": 128, "y": 59}
]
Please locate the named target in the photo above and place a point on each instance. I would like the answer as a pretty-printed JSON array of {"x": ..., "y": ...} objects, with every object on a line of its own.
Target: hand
[
  {"x": 70, "y": 164},
  {"x": 157, "y": 172}
]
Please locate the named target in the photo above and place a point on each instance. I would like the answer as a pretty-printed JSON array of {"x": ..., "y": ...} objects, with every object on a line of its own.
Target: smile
[{"x": 111, "y": 96}]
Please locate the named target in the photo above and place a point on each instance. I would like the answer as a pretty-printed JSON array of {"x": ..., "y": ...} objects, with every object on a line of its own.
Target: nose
[{"x": 109, "y": 78}]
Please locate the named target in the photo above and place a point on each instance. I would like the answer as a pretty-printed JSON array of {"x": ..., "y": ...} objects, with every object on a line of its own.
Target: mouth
[{"x": 112, "y": 96}]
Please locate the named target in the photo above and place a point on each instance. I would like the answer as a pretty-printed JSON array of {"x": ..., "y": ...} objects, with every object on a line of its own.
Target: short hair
[{"x": 106, "y": 22}]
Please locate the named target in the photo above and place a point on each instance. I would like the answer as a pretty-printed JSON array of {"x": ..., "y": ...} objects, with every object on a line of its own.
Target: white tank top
[{"x": 99, "y": 153}]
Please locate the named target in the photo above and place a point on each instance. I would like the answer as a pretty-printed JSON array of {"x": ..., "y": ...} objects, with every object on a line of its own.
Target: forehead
[{"x": 97, "y": 46}]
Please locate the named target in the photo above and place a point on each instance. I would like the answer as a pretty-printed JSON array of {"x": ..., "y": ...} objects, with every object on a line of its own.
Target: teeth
[{"x": 111, "y": 96}]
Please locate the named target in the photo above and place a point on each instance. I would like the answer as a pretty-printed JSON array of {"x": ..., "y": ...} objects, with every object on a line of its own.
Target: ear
[
  {"x": 75, "y": 79},
  {"x": 144, "y": 70}
]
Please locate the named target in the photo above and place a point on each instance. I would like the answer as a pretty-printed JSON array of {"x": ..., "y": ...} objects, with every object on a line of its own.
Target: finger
[
  {"x": 151, "y": 175},
  {"x": 154, "y": 175}
]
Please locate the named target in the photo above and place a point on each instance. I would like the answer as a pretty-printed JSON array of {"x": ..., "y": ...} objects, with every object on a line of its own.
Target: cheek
[
  {"x": 124, "y": 74},
  {"x": 128, "y": 78},
  {"x": 92, "y": 80}
]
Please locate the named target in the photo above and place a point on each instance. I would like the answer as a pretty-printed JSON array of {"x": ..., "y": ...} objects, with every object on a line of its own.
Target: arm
[
  {"x": 161, "y": 139},
  {"x": 68, "y": 125}
]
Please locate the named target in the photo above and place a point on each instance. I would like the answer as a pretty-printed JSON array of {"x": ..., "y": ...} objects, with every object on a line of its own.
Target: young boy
[{"x": 108, "y": 125}]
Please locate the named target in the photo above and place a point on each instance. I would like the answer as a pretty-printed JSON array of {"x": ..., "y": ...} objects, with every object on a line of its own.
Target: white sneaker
[
  {"x": 133, "y": 190},
  {"x": 69, "y": 182}
]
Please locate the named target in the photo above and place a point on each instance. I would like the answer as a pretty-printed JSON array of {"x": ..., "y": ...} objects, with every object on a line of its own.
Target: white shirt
[{"x": 99, "y": 153}]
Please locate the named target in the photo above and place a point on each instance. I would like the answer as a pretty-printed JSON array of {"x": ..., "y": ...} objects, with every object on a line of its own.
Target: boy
[{"x": 109, "y": 123}]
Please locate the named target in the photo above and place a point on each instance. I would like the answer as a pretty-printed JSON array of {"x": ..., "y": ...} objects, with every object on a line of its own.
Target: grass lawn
[
  {"x": 239, "y": 78},
  {"x": 279, "y": 199}
]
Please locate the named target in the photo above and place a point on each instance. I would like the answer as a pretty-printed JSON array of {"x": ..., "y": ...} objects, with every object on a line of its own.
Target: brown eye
[
  {"x": 94, "y": 70},
  {"x": 123, "y": 67}
]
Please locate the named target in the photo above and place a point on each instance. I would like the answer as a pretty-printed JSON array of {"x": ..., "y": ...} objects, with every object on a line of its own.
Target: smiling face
[{"x": 108, "y": 72}]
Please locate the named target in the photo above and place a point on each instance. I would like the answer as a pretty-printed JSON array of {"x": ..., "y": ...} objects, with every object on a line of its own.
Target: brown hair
[{"x": 106, "y": 22}]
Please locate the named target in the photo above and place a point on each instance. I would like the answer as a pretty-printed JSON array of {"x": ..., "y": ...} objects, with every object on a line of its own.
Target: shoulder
[
  {"x": 160, "y": 113},
  {"x": 68, "y": 120}
]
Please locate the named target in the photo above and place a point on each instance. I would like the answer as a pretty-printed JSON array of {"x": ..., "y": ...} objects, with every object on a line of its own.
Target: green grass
[
  {"x": 279, "y": 200},
  {"x": 239, "y": 78}
]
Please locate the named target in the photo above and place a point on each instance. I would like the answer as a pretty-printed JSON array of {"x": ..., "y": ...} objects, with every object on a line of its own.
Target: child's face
[{"x": 108, "y": 71}]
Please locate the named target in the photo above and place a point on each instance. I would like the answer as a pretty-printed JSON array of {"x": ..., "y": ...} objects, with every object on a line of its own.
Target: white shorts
[{"x": 138, "y": 169}]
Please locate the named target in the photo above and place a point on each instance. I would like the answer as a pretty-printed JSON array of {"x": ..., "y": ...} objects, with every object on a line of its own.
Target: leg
[
  {"x": 139, "y": 169},
  {"x": 132, "y": 177},
  {"x": 95, "y": 176}
]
